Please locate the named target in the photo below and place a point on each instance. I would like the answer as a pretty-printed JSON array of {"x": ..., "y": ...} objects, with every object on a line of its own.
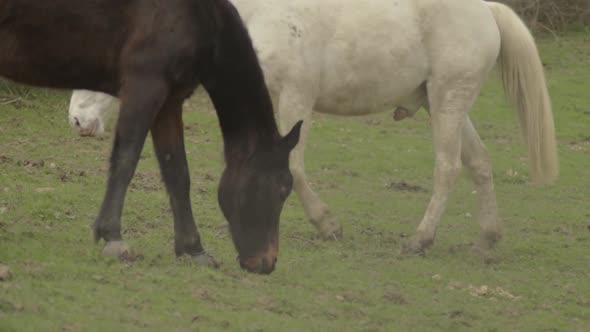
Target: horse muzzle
[{"x": 263, "y": 263}]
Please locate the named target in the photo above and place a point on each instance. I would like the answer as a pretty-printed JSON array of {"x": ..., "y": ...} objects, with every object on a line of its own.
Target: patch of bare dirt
[
  {"x": 5, "y": 273},
  {"x": 580, "y": 145},
  {"x": 3, "y": 208},
  {"x": 33, "y": 268},
  {"x": 67, "y": 175},
  {"x": 394, "y": 296},
  {"x": 352, "y": 174},
  {"x": 267, "y": 303},
  {"x": 386, "y": 236},
  {"x": 44, "y": 190},
  {"x": 500, "y": 139},
  {"x": 201, "y": 293},
  {"x": 8, "y": 306},
  {"x": 146, "y": 181},
  {"x": 63, "y": 174},
  {"x": 460, "y": 248},
  {"x": 512, "y": 176},
  {"x": 209, "y": 177},
  {"x": 132, "y": 232},
  {"x": 483, "y": 291},
  {"x": 31, "y": 163},
  {"x": 373, "y": 122},
  {"x": 69, "y": 328},
  {"x": 127, "y": 257},
  {"x": 404, "y": 186},
  {"x": 131, "y": 257}
]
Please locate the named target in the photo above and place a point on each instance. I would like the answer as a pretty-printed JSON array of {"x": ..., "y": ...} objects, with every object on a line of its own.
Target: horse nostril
[
  {"x": 265, "y": 267},
  {"x": 268, "y": 266},
  {"x": 76, "y": 122},
  {"x": 262, "y": 265}
]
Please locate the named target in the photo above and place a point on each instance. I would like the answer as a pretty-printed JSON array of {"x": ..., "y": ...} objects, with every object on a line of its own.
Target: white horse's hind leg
[
  {"x": 293, "y": 106},
  {"x": 476, "y": 160},
  {"x": 449, "y": 104}
]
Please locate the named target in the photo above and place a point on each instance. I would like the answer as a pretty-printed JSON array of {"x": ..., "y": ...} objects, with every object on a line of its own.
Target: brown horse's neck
[{"x": 237, "y": 89}]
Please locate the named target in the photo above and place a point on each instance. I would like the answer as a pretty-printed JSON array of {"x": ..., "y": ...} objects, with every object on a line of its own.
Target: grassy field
[{"x": 375, "y": 174}]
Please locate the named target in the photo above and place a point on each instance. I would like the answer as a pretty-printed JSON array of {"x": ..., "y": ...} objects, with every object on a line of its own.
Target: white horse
[
  {"x": 89, "y": 110},
  {"x": 348, "y": 58}
]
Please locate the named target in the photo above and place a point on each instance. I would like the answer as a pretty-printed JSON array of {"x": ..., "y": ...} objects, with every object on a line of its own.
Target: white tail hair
[{"x": 526, "y": 89}]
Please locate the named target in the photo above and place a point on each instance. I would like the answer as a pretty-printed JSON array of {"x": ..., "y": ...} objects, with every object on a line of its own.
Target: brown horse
[{"x": 152, "y": 54}]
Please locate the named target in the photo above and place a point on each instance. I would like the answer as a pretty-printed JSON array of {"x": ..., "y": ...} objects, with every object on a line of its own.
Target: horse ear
[{"x": 292, "y": 138}]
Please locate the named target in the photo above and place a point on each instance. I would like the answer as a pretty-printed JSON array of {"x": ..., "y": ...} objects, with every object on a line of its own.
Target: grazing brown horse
[{"x": 152, "y": 54}]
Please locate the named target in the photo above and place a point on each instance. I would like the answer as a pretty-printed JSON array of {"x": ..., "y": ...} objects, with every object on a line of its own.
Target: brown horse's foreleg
[
  {"x": 142, "y": 98},
  {"x": 168, "y": 138}
]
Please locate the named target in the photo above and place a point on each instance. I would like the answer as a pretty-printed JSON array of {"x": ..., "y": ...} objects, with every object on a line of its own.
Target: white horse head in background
[
  {"x": 89, "y": 111},
  {"x": 344, "y": 57}
]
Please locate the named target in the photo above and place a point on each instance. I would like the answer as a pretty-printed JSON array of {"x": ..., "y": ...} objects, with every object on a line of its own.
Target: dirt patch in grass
[
  {"x": 146, "y": 181},
  {"x": 5, "y": 273},
  {"x": 405, "y": 187}
]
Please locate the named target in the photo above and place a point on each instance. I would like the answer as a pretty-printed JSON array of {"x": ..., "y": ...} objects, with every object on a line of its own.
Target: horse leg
[
  {"x": 142, "y": 99},
  {"x": 292, "y": 107},
  {"x": 168, "y": 138},
  {"x": 475, "y": 158},
  {"x": 449, "y": 103}
]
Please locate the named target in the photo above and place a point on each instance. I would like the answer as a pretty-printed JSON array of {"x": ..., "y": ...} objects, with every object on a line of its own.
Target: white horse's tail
[{"x": 525, "y": 87}]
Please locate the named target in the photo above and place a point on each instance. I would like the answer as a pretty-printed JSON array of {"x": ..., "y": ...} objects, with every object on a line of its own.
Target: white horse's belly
[
  {"x": 350, "y": 90},
  {"x": 373, "y": 61}
]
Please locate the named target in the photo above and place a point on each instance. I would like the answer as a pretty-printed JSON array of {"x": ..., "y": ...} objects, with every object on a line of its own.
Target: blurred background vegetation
[{"x": 553, "y": 16}]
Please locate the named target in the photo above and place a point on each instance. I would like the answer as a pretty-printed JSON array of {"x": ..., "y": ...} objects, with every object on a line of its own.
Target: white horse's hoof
[
  {"x": 331, "y": 230},
  {"x": 488, "y": 256},
  {"x": 415, "y": 247},
  {"x": 489, "y": 239},
  {"x": 116, "y": 249},
  {"x": 328, "y": 228},
  {"x": 486, "y": 245},
  {"x": 204, "y": 259}
]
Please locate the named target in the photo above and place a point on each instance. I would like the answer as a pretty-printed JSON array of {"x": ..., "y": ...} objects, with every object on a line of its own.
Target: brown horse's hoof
[
  {"x": 204, "y": 259},
  {"x": 116, "y": 249}
]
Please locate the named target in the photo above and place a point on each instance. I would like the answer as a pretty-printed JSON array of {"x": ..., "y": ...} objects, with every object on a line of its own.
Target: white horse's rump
[{"x": 339, "y": 57}]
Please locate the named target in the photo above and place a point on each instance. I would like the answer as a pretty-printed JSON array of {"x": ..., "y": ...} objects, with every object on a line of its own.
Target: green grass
[{"x": 52, "y": 182}]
